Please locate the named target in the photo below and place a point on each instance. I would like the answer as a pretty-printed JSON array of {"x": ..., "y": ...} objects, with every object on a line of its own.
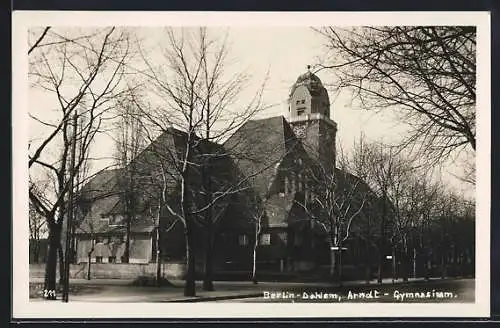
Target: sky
[{"x": 283, "y": 52}]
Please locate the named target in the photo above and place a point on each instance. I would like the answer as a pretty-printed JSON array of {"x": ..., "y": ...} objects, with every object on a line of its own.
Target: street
[
  {"x": 435, "y": 290},
  {"x": 455, "y": 290}
]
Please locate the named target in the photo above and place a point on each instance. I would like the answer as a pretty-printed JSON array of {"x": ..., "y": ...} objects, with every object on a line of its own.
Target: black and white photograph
[{"x": 251, "y": 164}]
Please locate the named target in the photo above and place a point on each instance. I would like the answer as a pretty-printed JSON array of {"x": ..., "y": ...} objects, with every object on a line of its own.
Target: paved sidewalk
[{"x": 116, "y": 290}]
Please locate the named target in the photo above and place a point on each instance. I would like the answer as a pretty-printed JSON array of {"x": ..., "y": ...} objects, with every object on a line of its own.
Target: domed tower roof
[{"x": 310, "y": 80}]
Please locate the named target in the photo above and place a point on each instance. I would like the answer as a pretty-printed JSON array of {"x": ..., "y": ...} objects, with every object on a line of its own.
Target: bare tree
[
  {"x": 335, "y": 200},
  {"x": 426, "y": 74},
  {"x": 256, "y": 214},
  {"x": 67, "y": 69},
  {"x": 414, "y": 207},
  {"x": 452, "y": 228},
  {"x": 157, "y": 188},
  {"x": 384, "y": 172},
  {"x": 91, "y": 233},
  {"x": 39, "y": 38},
  {"x": 129, "y": 142},
  {"x": 198, "y": 95}
]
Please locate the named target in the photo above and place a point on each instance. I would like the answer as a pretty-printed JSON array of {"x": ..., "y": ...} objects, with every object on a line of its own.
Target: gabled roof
[
  {"x": 102, "y": 196},
  {"x": 258, "y": 147},
  {"x": 101, "y": 184}
]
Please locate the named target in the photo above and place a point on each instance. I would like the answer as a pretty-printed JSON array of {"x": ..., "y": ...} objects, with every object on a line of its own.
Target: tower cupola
[{"x": 308, "y": 96}]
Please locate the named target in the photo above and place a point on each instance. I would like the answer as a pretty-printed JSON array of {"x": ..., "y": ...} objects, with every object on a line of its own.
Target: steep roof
[
  {"x": 100, "y": 195},
  {"x": 257, "y": 148},
  {"x": 103, "y": 195},
  {"x": 101, "y": 184}
]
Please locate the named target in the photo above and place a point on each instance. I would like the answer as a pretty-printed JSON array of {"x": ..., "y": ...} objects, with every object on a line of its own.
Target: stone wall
[{"x": 115, "y": 271}]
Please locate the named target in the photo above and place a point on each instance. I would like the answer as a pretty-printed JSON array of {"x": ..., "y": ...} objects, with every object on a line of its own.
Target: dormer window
[{"x": 105, "y": 218}]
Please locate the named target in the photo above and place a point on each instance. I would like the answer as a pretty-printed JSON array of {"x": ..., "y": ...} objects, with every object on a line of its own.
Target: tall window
[
  {"x": 281, "y": 186},
  {"x": 289, "y": 185},
  {"x": 265, "y": 239},
  {"x": 98, "y": 259},
  {"x": 297, "y": 240},
  {"x": 283, "y": 236},
  {"x": 243, "y": 240}
]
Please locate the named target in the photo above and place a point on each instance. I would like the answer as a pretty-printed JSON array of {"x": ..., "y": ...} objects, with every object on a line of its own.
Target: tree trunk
[
  {"x": 405, "y": 261},
  {"x": 333, "y": 264},
  {"x": 333, "y": 255},
  {"x": 54, "y": 240},
  {"x": 368, "y": 273},
  {"x": 158, "y": 257},
  {"x": 61, "y": 263},
  {"x": 414, "y": 262},
  {"x": 381, "y": 259},
  {"x": 89, "y": 264},
  {"x": 73, "y": 245},
  {"x": 254, "y": 264},
  {"x": 36, "y": 251},
  {"x": 340, "y": 265},
  {"x": 126, "y": 252},
  {"x": 427, "y": 266},
  {"x": 208, "y": 283},
  {"x": 443, "y": 265},
  {"x": 367, "y": 263},
  {"x": 393, "y": 253},
  {"x": 254, "y": 257},
  {"x": 189, "y": 288}
]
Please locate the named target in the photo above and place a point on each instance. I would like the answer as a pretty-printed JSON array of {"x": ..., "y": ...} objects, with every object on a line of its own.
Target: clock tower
[{"x": 309, "y": 116}]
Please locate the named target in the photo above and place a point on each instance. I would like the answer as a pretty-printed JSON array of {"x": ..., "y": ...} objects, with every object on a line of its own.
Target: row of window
[
  {"x": 289, "y": 185},
  {"x": 265, "y": 239},
  {"x": 113, "y": 220},
  {"x": 111, "y": 259}
]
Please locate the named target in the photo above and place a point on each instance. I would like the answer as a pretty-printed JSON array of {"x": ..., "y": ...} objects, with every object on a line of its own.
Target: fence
[{"x": 115, "y": 271}]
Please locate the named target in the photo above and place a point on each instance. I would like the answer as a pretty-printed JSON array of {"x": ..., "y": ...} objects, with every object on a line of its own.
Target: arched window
[
  {"x": 287, "y": 185},
  {"x": 281, "y": 186}
]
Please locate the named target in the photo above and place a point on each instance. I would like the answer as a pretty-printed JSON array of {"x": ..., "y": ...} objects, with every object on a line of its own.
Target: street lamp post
[{"x": 69, "y": 220}]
